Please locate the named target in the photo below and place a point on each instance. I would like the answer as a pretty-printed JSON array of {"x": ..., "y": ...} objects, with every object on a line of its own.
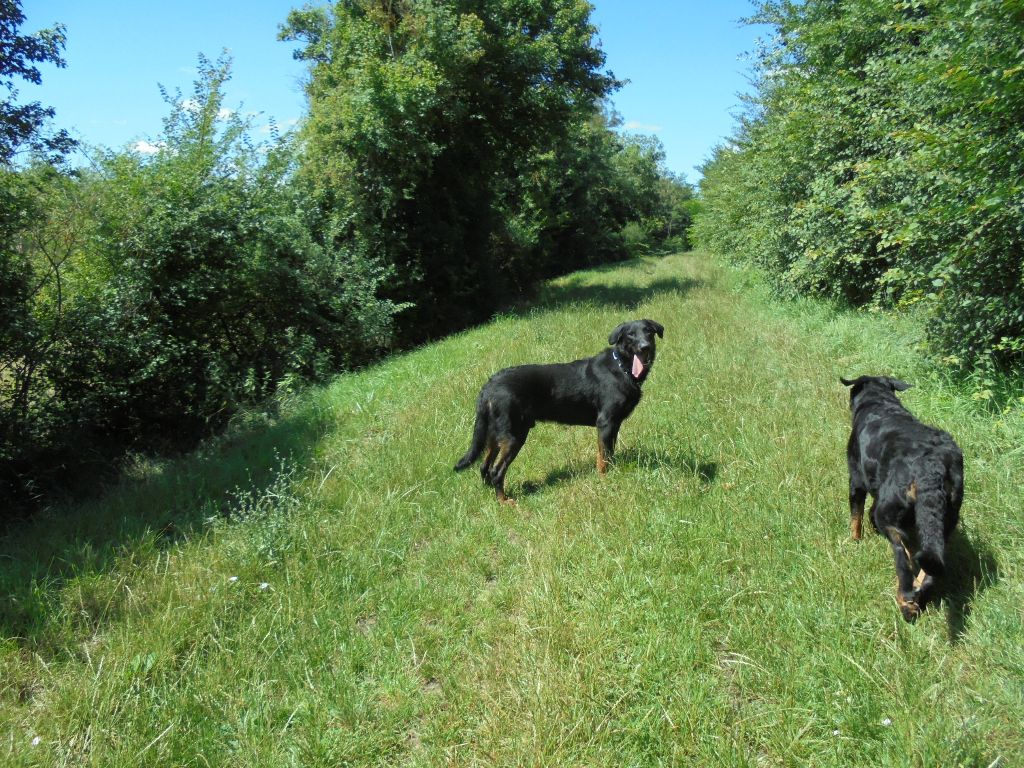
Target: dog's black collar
[{"x": 623, "y": 367}]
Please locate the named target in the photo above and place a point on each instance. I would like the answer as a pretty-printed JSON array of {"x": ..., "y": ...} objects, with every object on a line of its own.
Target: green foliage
[
  {"x": 37, "y": 247},
  {"x": 147, "y": 298},
  {"x": 23, "y": 124},
  {"x": 462, "y": 144},
  {"x": 881, "y": 163},
  {"x": 661, "y": 201}
]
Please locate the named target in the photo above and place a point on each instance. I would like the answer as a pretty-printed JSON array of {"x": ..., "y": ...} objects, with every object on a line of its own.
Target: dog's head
[
  {"x": 880, "y": 385},
  {"x": 634, "y": 345}
]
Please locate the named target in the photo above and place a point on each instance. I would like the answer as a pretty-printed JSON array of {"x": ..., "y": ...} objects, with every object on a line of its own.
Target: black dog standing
[
  {"x": 915, "y": 474},
  {"x": 598, "y": 391}
]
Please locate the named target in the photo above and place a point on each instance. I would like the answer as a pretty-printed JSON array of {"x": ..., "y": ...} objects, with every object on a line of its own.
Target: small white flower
[
  {"x": 887, "y": 722},
  {"x": 835, "y": 732},
  {"x": 232, "y": 579},
  {"x": 36, "y": 741},
  {"x": 264, "y": 585}
]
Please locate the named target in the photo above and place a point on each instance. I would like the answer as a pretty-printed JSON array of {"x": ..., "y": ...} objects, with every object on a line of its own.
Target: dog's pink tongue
[{"x": 638, "y": 366}]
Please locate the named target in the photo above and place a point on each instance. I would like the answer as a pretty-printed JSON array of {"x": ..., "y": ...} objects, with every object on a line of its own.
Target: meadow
[{"x": 317, "y": 587}]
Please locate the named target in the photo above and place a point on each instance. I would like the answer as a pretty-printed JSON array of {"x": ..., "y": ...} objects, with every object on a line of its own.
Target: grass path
[{"x": 358, "y": 603}]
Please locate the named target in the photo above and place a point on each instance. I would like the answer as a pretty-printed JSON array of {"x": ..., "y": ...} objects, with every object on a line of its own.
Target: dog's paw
[{"x": 910, "y": 610}]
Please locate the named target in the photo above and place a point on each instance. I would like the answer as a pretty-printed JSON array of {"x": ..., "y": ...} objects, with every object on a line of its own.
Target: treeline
[
  {"x": 882, "y": 162},
  {"x": 464, "y": 146},
  {"x": 454, "y": 154}
]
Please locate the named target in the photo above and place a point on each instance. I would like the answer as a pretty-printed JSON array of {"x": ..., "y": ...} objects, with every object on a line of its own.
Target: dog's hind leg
[
  {"x": 924, "y": 583},
  {"x": 906, "y": 592},
  {"x": 508, "y": 449},
  {"x": 490, "y": 451}
]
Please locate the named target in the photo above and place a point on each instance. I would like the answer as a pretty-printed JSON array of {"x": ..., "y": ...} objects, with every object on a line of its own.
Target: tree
[
  {"x": 22, "y": 125},
  {"x": 144, "y": 298},
  {"x": 881, "y": 164},
  {"x": 424, "y": 118},
  {"x": 25, "y": 329}
]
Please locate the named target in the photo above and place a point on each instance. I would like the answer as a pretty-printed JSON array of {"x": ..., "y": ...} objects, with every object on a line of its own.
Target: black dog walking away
[
  {"x": 598, "y": 391},
  {"x": 916, "y": 475}
]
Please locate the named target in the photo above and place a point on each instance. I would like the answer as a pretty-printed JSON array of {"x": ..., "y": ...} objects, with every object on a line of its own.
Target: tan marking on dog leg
[
  {"x": 602, "y": 460},
  {"x": 503, "y": 498},
  {"x": 501, "y": 468},
  {"x": 489, "y": 453},
  {"x": 502, "y": 451},
  {"x": 903, "y": 544},
  {"x": 912, "y": 491},
  {"x": 909, "y": 608},
  {"x": 919, "y": 579},
  {"x": 857, "y": 522}
]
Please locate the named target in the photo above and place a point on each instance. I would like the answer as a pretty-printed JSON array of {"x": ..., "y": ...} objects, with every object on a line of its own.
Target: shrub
[
  {"x": 881, "y": 164},
  {"x": 152, "y": 295}
]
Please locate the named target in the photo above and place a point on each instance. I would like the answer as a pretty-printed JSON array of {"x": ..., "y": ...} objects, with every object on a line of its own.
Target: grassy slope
[{"x": 699, "y": 605}]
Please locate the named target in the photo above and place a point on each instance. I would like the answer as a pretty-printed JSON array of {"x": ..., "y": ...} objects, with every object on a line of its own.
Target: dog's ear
[
  {"x": 849, "y": 382},
  {"x": 614, "y": 336},
  {"x": 658, "y": 328},
  {"x": 897, "y": 385}
]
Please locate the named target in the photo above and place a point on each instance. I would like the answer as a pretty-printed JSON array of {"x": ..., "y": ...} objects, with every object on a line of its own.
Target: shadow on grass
[
  {"x": 576, "y": 290},
  {"x": 640, "y": 457},
  {"x": 124, "y": 527},
  {"x": 557, "y": 477},
  {"x": 971, "y": 568},
  {"x": 705, "y": 471}
]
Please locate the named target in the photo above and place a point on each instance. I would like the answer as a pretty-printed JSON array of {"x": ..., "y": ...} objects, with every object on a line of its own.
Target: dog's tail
[
  {"x": 479, "y": 437},
  {"x": 930, "y": 515}
]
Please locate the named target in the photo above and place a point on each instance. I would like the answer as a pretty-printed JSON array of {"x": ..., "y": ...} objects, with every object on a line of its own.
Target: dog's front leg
[
  {"x": 857, "y": 497},
  {"x": 607, "y": 434}
]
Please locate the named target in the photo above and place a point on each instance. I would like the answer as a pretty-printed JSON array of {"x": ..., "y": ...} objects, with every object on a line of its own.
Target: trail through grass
[{"x": 323, "y": 590}]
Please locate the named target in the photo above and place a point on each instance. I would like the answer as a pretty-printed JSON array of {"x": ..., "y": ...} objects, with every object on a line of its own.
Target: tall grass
[{"x": 324, "y": 590}]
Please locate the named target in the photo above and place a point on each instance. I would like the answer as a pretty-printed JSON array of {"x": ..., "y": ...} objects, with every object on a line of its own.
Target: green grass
[{"x": 321, "y": 589}]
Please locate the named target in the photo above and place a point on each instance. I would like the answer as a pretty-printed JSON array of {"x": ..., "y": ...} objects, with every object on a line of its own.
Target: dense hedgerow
[
  {"x": 881, "y": 162},
  {"x": 147, "y": 297},
  {"x": 465, "y": 145}
]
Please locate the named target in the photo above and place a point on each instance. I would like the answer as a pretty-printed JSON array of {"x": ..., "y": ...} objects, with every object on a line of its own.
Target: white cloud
[
  {"x": 144, "y": 147},
  {"x": 634, "y": 125}
]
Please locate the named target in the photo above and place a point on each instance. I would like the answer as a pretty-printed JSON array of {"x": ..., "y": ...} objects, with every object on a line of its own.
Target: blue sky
[{"x": 685, "y": 60}]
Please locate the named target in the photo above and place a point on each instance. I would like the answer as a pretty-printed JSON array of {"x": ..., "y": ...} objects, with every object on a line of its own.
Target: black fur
[
  {"x": 915, "y": 474},
  {"x": 598, "y": 391}
]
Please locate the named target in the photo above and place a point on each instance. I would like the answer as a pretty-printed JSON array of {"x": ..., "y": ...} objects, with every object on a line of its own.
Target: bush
[
  {"x": 881, "y": 164},
  {"x": 464, "y": 145},
  {"x": 148, "y": 298}
]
